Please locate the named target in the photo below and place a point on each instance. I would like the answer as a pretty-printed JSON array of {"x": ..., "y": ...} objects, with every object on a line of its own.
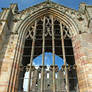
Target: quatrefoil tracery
[
  {"x": 48, "y": 29},
  {"x": 66, "y": 32},
  {"x": 48, "y": 25},
  {"x": 30, "y": 32}
]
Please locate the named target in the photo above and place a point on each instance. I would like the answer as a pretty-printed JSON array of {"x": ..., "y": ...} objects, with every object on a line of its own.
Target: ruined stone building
[{"x": 46, "y": 27}]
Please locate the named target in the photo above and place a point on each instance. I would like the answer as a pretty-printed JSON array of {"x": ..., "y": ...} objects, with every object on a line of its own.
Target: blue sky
[
  {"x": 49, "y": 60},
  {"x": 27, "y": 3}
]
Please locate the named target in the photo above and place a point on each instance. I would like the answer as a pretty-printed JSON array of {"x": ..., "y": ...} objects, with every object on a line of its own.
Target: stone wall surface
[
  {"x": 82, "y": 44},
  {"x": 7, "y": 63},
  {"x": 8, "y": 43}
]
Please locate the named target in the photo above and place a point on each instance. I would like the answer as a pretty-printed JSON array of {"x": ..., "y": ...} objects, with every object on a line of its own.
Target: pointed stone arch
[
  {"x": 66, "y": 19},
  {"x": 28, "y": 21}
]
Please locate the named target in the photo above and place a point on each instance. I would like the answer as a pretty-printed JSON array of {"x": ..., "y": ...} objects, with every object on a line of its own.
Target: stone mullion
[
  {"x": 33, "y": 77},
  {"x": 60, "y": 76},
  {"x": 39, "y": 80},
  {"x": 64, "y": 58},
  {"x": 46, "y": 80},
  {"x": 31, "y": 58},
  {"x": 34, "y": 80},
  {"x": 43, "y": 56},
  {"x": 51, "y": 80},
  {"x": 53, "y": 51}
]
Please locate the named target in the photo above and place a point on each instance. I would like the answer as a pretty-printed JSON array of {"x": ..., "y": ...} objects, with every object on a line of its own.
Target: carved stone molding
[{"x": 49, "y": 5}]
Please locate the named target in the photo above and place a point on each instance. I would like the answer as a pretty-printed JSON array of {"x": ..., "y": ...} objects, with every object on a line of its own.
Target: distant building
[{"x": 46, "y": 27}]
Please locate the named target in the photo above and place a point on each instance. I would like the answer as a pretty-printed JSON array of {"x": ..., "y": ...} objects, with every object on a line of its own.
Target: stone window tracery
[{"x": 49, "y": 34}]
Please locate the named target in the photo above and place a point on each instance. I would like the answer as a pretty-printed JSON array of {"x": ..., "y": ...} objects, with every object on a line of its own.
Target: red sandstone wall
[{"x": 83, "y": 57}]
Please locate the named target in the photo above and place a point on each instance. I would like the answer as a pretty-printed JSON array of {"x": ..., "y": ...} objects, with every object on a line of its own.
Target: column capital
[{"x": 55, "y": 66}]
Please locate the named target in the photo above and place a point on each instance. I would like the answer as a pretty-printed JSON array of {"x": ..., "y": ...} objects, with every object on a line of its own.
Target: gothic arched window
[{"x": 48, "y": 34}]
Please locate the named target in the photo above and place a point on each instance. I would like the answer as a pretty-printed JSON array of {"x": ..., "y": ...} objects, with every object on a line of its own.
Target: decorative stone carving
[
  {"x": 90, "y": 24},
  {"x": 30, "y": 32},
  {"x": 47, "y": 5}
]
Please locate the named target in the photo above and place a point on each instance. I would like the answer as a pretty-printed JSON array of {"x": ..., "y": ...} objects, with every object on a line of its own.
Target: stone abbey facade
[{"x": 46, "y": 27}]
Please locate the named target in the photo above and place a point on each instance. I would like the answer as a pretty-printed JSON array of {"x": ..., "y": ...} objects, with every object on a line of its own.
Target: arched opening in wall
[
  {"x": 48, "y": 35},
  {"x": 36, "y": 74}
]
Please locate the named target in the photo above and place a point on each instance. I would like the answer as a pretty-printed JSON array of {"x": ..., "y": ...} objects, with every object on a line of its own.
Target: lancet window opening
[{"x": 48, "y": 34}]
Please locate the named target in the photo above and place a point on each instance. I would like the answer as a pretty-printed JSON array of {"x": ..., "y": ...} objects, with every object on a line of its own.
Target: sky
[
  {"x": 22, "y": 4},
  {"x": 48, "y": 60}
]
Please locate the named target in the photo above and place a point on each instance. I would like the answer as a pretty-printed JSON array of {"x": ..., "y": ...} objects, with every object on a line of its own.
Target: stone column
[
  {"x": 45, "y": 80},
  {"x": 82, "y": 45},
  {"x": 34, "y": 80},
  {"x": 39, "y": 79},
  {"x": 51, "y": 80},
  {"x": 61, "y": 83},
  {"x": 51, "y": 76},
  {"x": 20, "y": 79}
]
